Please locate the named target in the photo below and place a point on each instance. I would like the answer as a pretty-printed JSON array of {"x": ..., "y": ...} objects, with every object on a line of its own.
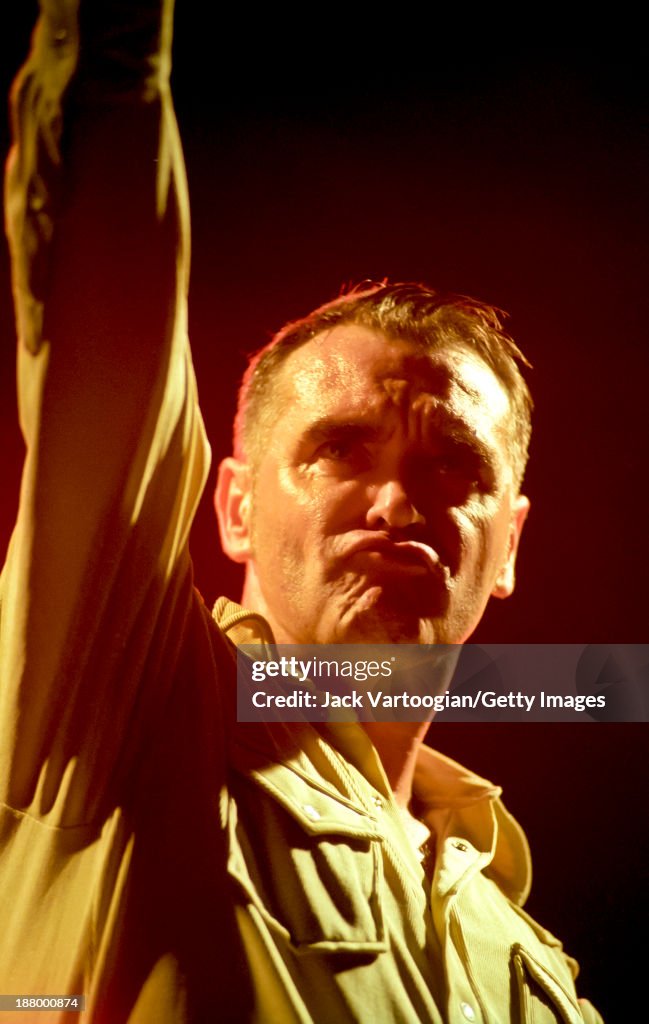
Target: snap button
[
  {"x": 468, "y": 1011},
  {"x": 462, "y": 847},
  {"x": 377, "y": 801},
  {"x": 311, "y": 812}
]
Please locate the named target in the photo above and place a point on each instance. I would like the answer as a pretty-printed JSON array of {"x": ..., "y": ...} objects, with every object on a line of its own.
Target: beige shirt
[{"x": 157, "y": 857}]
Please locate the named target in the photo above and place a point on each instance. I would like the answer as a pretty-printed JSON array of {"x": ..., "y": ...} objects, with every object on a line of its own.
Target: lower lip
[{"x": 387, "y": 560}]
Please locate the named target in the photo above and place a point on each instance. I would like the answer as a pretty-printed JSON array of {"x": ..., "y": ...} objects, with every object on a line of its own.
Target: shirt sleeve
[{"x": 97, "y": 582}]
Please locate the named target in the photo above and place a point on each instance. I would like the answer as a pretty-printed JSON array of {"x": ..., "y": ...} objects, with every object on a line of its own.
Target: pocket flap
[
  {"x": 534, "y": 980},
  {"x": 309, "y": 861},
  {"x": 317, "y": 810}
]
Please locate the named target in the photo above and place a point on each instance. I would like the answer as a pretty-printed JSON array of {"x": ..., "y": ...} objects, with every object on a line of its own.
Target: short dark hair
[{"x": 412, "y": 312}]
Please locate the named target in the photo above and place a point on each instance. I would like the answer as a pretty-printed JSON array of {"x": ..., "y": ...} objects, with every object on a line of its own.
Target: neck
[{"x": 397, "y": 744}]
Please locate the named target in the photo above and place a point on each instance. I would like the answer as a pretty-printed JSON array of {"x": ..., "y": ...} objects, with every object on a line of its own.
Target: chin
[
  {"x": 377, "y": 621},
  {"x": 380, "y": 633}
]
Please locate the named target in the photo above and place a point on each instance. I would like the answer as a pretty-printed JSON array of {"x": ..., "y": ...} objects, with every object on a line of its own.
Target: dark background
[{"x": 512, "y": 168}]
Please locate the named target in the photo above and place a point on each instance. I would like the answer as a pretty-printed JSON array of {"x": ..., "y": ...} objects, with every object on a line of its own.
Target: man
[{"x": 156, "y": 857}]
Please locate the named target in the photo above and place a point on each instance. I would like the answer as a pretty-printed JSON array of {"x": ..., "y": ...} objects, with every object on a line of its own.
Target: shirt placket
[{"x": 459, "y": 861}]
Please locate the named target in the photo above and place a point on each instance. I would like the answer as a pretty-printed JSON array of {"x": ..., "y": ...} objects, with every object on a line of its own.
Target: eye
[
  {"x": 345, "y": 452},
  {"x": 454, "y": 465},
  {"x": 338, "y": 449},
  {"x": 458, "y": 466}
]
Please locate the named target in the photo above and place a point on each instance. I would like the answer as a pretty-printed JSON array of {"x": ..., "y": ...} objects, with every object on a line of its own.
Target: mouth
[{"x": 407, "y": 557}]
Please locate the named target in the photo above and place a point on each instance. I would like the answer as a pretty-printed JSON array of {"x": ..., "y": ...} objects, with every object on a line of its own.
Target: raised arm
[{"x": 97, "y": 220}]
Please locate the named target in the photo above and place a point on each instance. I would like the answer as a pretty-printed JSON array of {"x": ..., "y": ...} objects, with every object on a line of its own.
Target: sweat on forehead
[
  {"x": 357, "y": 371},
  {"x": 340, "y": 364},
  {"x": 349, "y": 354}
]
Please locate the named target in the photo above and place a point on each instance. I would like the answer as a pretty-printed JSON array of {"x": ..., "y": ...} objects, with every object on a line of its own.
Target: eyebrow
[
  {"x": 328, "y": 426},
  {"x": 454, "y": 429},
  {"x": 458, "y": 431},
  {"x": 469, "y": 439}
]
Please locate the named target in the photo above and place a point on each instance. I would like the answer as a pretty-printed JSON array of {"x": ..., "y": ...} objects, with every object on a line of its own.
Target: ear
[
  {"x": 232, "y": 501},
  {"x": 506, "y": 578}
]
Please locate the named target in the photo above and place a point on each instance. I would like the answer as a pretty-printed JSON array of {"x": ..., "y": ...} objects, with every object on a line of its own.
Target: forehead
[{"x": 353, "y": 369}]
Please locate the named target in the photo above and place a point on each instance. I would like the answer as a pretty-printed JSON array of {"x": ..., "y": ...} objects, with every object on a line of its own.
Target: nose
[{"x": 393, "y": 507}]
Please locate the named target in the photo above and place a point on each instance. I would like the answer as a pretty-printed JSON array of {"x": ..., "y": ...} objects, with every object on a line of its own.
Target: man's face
[{"x": 383, "y": 509}]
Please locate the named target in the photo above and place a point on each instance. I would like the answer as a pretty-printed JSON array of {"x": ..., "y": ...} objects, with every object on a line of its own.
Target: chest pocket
[
  {"x": 308, "y": 860},
  {"x": 541, "y": 996}
]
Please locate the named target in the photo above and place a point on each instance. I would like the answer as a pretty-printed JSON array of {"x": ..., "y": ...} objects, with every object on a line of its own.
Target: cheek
[
  {"x": 484, "y": 534},
  {"x": 298, "y": 521},
  {"x": 286, "y": 518},
  {"x": 325, "y": 505}
]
